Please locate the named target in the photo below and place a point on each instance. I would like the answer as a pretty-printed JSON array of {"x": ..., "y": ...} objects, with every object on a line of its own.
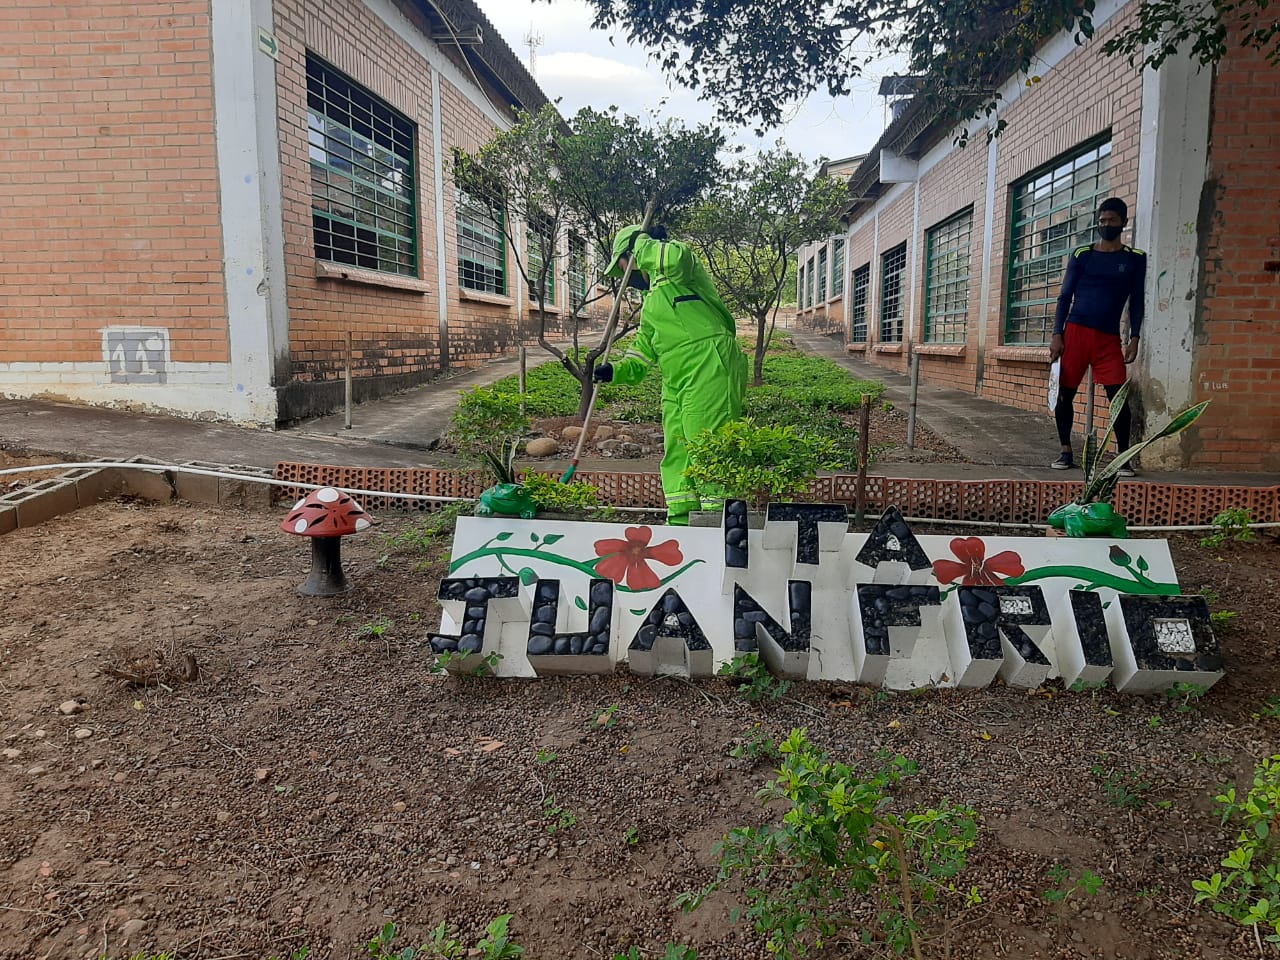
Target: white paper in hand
[{"x": 1055, "y": 371}]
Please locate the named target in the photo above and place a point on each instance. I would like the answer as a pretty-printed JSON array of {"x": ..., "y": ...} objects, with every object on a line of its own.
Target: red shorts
[{"x": 1085, "y": 347}]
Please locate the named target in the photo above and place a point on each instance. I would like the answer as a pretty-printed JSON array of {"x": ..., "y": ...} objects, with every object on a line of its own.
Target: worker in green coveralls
[{"x": 689, "y": 334}]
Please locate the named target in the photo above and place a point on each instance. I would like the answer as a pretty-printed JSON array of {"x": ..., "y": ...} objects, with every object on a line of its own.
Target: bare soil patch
[{"x": 312, "y": 778}]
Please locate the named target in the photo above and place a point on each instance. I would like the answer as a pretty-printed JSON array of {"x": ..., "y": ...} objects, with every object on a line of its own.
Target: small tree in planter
[
  {"x": 507, "y": 497},
  {"x": 1091, "y": 514},
  {"x": 744, "y": 460}
]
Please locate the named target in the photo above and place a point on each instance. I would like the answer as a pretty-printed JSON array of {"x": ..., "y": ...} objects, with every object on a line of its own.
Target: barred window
[
  {"x": 822, "y": 275},
  {"x": 858, "y": 315},
  {"x": 541, "y": 240},
  {"x": 482, "y": 260},
  {"x": 577, "y": 272},
  {"x": 893, "y": 268},
  {"x": 837, "y": 267},
  {"x": 808, "y": 284},
  {"x": 946, "y": 301},
  {"x": 362, "y": 175},
  {"x": 1053, "y": 212}
]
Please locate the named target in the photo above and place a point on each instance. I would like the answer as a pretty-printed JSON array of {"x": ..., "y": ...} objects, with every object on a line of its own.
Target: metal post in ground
[
  {"x": 864, "y": 441},
  {"x": 346, "y": 377},
  {"x": 523, "y": 369},
  {"x": 911, "y": 410},
  {"x": 1088, "y": 405}
]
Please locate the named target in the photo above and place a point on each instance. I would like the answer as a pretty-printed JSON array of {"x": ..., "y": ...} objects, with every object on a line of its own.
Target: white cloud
[{"x": 581, "y": 67}]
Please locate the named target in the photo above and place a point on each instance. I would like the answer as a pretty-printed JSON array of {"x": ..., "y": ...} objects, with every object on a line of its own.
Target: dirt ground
[{"x": 312, "y": 778}]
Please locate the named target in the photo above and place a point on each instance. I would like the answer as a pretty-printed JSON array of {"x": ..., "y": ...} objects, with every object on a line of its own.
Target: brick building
[
  {"x": 203, "y": 199},
  {"x": 955, "y": 255}
]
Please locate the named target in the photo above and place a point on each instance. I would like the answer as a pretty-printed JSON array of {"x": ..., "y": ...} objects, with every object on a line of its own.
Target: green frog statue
[
  {"x": 507, "y": 500},
  {"x": 1088, "y": 520}
]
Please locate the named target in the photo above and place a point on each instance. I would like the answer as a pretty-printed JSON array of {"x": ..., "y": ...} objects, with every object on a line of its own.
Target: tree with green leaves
[
  {"x": 748, "y": 226},
  {"x": 593, "y": 175},
  {"x": 755, "y": 57}
]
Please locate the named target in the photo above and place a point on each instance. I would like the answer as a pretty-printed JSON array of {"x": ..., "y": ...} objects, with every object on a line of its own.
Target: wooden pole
[
  {"x": 864, "y": 443},
  {"x": 346, "y": 376}
]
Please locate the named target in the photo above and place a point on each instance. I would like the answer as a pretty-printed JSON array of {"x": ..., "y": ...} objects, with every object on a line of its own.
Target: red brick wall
[
  {"x": 1237, "y": 339},
  {"x": 108, "y": 179}
]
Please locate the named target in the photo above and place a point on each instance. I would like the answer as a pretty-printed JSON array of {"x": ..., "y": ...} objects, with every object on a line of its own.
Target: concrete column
[{"x": 1172, "y": 168}]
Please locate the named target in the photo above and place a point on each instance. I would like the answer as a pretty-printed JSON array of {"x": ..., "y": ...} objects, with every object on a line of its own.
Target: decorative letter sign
[{"x": 890, "y": 608}]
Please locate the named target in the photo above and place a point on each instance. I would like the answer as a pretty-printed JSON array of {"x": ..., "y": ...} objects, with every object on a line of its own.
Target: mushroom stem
[{"x": 326, "y": 578}]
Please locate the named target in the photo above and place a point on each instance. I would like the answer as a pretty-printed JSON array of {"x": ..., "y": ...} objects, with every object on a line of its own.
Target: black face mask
[
  {"x": 637, "y": 280},
  {"x": 1110, "y": 232}
]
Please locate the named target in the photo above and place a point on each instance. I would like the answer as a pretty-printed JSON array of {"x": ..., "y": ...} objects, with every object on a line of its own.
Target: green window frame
[
  {"x": 363, "y": 202},
  {"x": 577, "y": 273},
  {"x": 1052, "y": 213},
  {"x": 539, "y": 237},
  {"x": 808, "y": 284},
  {"x": 946, "y": 298},
  {"x": 822, "y": 274},
  {"x": 893, "y": 269},
  {"x": 482, "y": 248},
  {"x": 837, "y": 267},
  {"x": 858, "y": 314}
]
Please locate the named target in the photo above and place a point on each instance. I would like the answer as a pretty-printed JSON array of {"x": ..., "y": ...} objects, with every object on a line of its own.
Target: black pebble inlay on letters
[
  {"x": 877, "y": 550},
  {"x": 476, "y": 592}
]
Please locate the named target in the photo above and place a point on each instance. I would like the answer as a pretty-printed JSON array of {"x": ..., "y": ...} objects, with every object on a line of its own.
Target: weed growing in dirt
[
  {"x": 1185, "y": 696},
  {"x": 1153, "y": 723},
  {"x": 1249, "y": 892},
  {"x": 486, "y": 666},
  {"x": 1222, "y": 620},
  {"x": 606, "y": 719},
  {"x": 558, "y": 818},
  {"x": 1090, "y": 687},
  {"x": 674, "y": 951},
  {"x": 545, "y": 756},
  {"x": 376, "y": 628},
  {"x": 1124, "y": 788},
  {"x": 632, "y": 837},
  {"x": 496, "y": 944},
  {"x": 1269, "y": 710},
  {"x": 1233, "y": 525},
  {"x": 841, "y": 840},
  {"x": 751, "y": 679},
  {"x": 1088, "y": 883},
  {"x": 757, "y": 747},
  {"x": 426, "y": 537}
]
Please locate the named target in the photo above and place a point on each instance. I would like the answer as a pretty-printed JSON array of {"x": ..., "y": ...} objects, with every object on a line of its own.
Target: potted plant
[
  {"x": 507, "y": 497},
  {"x": 744, "y": 460},
  {"x": 1091, "y": 514}
]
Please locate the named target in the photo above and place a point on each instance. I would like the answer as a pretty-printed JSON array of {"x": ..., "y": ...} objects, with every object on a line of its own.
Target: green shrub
[
  {"x": 550, "y": 494},
  {"x": 751, "y": 678},
  {"x": 485, "y": 418},
  {"x": 1233, "y": 524},
  {"x": 743, "y": 460},
  {"x": 839, "y": 843}
]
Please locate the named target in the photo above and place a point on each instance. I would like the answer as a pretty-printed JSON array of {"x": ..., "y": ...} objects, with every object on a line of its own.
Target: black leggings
[{"x": 1064, "y": 413}]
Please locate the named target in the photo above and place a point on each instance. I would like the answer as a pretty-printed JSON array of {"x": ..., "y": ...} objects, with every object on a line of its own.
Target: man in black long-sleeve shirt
[{"x": 1101, "y": 279}]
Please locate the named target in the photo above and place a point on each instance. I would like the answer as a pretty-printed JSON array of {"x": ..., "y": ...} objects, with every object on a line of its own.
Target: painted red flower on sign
[
  {"x": 628, "y": 560},
  {"x": 975, "y": 567}
]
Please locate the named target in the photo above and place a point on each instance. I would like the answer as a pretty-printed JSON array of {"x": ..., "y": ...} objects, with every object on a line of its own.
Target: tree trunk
[{"x": 757, "y": 373}]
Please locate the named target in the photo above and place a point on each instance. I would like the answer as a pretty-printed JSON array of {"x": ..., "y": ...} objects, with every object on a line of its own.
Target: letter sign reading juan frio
[{"x": 890, "y": 607}]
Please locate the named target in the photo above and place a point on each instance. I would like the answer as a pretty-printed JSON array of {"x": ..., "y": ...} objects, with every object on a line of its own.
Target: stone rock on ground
[{"x": 542, "y": 447}]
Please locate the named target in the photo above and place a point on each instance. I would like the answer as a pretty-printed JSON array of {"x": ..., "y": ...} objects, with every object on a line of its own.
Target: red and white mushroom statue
[{"x": 326, "y": 516}]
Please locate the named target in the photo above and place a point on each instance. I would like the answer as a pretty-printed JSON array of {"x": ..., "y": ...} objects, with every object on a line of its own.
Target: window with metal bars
[
  {"x": 822, "y": 275},
  {"x": 800, "y": 286},
  {"x": 577, "y": 272},
  {"x": 837, "y": 267},
  {"x": 946, "y": 285},
  {"x": 363, "y": 210},
  {"x": 1053, "y": 212},
  {"x": 893, "y": 268},
  {"x": 808, "y": 284},
  {"x": 482, "y": 253},
  {"x": 858, "y": 313},
  {"x": 541, "y": 241}
]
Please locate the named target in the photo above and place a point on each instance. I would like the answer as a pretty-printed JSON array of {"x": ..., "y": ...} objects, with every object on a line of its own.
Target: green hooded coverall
[{"x": 689, "y": 334}]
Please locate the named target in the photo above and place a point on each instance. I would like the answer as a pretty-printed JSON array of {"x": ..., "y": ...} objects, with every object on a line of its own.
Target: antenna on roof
[{"x": 534, "y": 41}]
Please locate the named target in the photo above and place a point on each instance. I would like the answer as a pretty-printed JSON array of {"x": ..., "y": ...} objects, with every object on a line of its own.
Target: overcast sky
[{"x": 579, "y": 66}]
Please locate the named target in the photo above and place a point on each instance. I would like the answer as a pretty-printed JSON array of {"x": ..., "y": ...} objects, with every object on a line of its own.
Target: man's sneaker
[
  {"x": 1064, "y": 462},
  {"x": 1128, "y": 470}
]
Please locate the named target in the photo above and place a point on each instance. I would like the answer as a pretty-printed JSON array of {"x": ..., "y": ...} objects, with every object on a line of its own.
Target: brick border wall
[{"x": 1143, "y": 503}]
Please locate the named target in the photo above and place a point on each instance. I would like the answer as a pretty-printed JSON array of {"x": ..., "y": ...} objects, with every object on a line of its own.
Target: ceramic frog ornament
[
  {"x": 508, "y": 500},
  {"x": 1089, "y": 520}
]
